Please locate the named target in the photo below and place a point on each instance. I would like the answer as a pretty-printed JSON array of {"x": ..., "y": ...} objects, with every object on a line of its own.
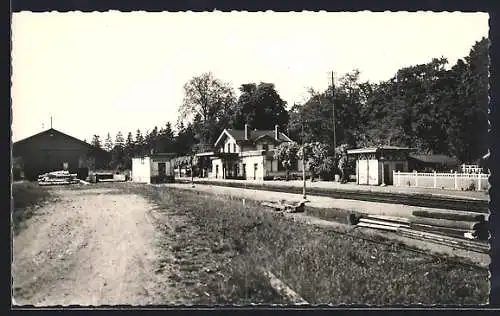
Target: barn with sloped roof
[{"x": 53, "y": 150}]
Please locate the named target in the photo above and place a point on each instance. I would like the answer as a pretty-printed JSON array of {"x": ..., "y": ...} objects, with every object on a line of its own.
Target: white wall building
[
  {"x": 155, "y": 168},
  {"x": 375, "y": 165},
  {"x": 248, "y": 154}
]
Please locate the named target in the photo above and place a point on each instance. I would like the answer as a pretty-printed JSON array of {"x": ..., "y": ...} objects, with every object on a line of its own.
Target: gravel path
[{"x": 90, "y": 247}]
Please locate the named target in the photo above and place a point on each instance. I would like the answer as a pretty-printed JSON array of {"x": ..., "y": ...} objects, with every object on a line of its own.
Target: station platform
[{"x": 337, "y": 186}]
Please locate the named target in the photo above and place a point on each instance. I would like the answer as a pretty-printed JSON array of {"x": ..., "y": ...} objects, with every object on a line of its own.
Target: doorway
[
  {"x": 162, "y": 169},
  {"x": 387, "y": 178}
]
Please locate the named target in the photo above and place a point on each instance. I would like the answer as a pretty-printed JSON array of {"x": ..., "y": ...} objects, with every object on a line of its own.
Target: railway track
[{"x": 421, "y": 200}]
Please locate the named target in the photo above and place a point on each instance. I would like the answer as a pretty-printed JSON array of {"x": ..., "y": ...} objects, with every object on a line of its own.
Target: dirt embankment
[{"x": 91, "y": 247}]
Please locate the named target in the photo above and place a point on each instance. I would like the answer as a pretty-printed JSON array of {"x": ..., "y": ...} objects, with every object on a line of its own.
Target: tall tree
[
  {"x": 119, "y": 140},
  {"x": 128, "y": 151},
  {"x": 469, "y": 140},
  {"x": 151, "y": 140},
  {"x": 311, "y": 121},
  {"x": 259, "y": 106},
  {"x": 96, "y": 141},
  {"x": 139, "y": 145},
  {"x": 108, "y": 143},
  {"x": 206, "y": 103},
  {"x": 118, "y": 158},
  {"x": 185, "y": 140},
  {"x": 166, "y": 139},
  {"x": 315, "y": 116}
]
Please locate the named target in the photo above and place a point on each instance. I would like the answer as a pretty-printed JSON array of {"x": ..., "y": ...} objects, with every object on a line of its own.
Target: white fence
[{"x": 453, "y": 181}]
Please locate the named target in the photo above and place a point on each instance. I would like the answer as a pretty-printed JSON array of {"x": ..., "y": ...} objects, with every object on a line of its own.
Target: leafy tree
[
  {"x": 312, "y": 121},
  {"x": 318, "y": 159},
  {"x": 468, "y": 117},
  {"x": 96, "y": 141},
  {"x": 259, "y": 106},
  {"x": 206, "y": 103},
  {"x": 316, "y": 114},
  {"x": 286, "y": 154},
  {"x": 108, "y": 143}
]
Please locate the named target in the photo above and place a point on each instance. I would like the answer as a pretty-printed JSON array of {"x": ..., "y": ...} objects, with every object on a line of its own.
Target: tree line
[{"x": 436, "y": 108}]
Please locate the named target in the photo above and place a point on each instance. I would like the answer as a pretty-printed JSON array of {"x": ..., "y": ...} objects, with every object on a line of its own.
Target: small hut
[
  {"x": 154, "y": 168},
  {"x": 375, "y": 165}
]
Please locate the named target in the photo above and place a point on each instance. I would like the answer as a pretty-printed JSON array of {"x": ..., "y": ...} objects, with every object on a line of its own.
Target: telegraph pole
[
  {"x": 333, "y": 109},
  {"x": 303, "y": 165}
]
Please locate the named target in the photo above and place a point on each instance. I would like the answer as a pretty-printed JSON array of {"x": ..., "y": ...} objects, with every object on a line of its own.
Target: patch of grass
[
  {"x": 322, "y": 266},
  {"x": 25, "y": 196}
]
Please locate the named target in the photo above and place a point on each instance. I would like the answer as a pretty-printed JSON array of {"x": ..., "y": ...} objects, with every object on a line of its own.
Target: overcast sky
[{"x": 104, "y": 72}]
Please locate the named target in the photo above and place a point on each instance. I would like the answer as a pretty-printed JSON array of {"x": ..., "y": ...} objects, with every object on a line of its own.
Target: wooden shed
[
  {"x": 375, "y": 165},
  {"x": 155, "y": 168},
  {"x": 53, "y": 150}
]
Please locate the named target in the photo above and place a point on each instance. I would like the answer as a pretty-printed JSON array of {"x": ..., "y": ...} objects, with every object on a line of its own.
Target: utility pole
[
  {"x": 333, "y": 109},
  {"x": 51, "y": 122},
  {"x": 303, "y": 165}
]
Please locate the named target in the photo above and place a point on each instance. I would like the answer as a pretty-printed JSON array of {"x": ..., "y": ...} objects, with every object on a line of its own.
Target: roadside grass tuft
[
  {"x": 324, "y": 267},
  {"x": 25, "y": 195}
]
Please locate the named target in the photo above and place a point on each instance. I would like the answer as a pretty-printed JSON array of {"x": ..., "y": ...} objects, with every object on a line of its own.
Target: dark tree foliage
[
  {"x": 96, "y": 141},
  {"x": 432, "y": 107},
  {"x": 259, "y": 106},
  {"x": 206, "y": 107}
]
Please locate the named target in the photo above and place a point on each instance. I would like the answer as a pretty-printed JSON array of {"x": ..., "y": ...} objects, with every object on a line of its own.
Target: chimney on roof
[
  {"x": 246, "y": 132},
  {"x": 276, "y": 132}
]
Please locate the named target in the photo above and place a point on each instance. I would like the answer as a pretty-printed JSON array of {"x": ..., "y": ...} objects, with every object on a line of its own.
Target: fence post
[
  {"x": 399, "y": 178},
  {"x": 435, "y": 180},
  {"x": 416, "y": 178},
  {"x": 456, "y": 180},
  {"x": 479, "y": 175}
]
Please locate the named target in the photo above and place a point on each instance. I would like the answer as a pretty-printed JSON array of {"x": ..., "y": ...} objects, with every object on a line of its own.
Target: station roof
[
  {"x": 158, "y": 155},
  {"x": 371, "y": 150},
  {"x": 435, "y": 159}
]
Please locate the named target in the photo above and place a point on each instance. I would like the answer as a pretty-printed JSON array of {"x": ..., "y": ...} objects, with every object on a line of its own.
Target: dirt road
[{"x": 92, "y": 247}]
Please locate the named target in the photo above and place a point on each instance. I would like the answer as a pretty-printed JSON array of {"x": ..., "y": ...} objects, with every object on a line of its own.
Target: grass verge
[
  {"x": 322, "y": 266},
  {"x": 25, "y": 196}
]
